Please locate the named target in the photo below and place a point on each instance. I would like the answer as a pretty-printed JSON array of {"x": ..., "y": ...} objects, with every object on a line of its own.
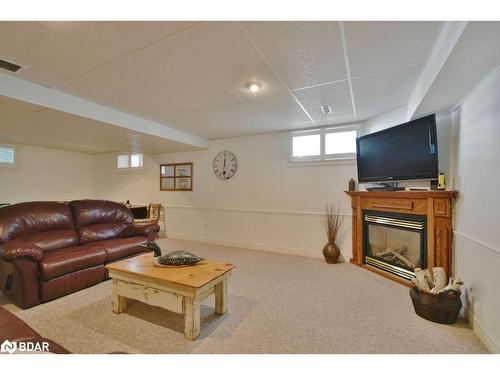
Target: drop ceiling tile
[
  {"x": 45, "y": 57},
  {"x": 375, "y": 46},
  {"x": 182, "y": 78},
  {"x": 380, "y": 92},
  {"x": 11, "y": 109},
  {"x": 282, "y": 109},
  {"x": 198, "y": 122},
  {"x": 153, "y": 78},
  {"x": 240, "y": 116},
  {"x": 223, "y": 122},
  {"x": 142, "y": 98},
  {"x": 153, "y": 100},
  {"x": 156, "y": 145},
  {"x": 111, "y": 40},
  {"x": 225, "y": 53},
  {"x": 336, "y": 95},
  {"x": 303, "y": 53},
  {"x": 111, "y": 86}
]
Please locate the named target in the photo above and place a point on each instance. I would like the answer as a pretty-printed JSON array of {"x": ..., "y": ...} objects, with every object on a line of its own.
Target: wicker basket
[{"x": 440, "y": 308}]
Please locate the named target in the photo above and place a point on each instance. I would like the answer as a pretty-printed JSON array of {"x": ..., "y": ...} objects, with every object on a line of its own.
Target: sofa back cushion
[
  {"x": 97, "y": 220},
  {"x": 48, "y": 225}
]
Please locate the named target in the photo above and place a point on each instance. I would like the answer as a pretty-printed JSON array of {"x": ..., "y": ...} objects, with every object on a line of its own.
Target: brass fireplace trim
[
  {"x": 408, "y": 275},
  {"x": 411, "y": 224}
]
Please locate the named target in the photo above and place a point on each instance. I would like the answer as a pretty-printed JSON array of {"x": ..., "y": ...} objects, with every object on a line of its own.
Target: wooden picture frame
[{"x": 176, "y": 177}]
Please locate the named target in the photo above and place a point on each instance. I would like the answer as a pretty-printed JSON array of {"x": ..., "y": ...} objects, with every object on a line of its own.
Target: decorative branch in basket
[
  {"x": 435, "y": 282},
  {"x": 333, "y": 223}
]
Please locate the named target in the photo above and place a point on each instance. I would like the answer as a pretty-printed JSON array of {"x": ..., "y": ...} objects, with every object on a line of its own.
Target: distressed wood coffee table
[{"x": 180, "y": 290}]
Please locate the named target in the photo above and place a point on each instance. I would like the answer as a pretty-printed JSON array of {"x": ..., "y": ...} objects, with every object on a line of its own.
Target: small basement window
[
  {"x": 323, "y": 145},
  {"x": 127, "y": 162},
  {"x": 7, "y": 156}
]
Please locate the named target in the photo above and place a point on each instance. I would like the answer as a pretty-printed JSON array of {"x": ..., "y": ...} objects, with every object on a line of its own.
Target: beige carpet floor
[{"x": 277, "y": 304}]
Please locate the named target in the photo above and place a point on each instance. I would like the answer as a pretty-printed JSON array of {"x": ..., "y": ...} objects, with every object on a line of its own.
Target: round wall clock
[{"x": 225, "y": 165}]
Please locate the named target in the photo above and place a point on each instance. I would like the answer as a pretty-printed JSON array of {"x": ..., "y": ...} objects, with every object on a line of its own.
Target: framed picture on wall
[{"x": 176, "y": 177}]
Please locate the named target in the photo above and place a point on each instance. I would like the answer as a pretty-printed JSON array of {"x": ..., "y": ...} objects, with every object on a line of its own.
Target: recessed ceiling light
[
  {"x": 253, "y": 86},
  {"x": 326, "y": 109}
]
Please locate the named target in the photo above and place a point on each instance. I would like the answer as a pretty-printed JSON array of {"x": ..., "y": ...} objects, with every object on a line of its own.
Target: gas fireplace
[
  {"x": 394, "y": 232},
  {"x": 395, "y": 242}
]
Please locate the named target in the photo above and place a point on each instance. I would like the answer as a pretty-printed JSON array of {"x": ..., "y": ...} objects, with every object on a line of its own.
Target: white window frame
[
  {"x": 299, "y": 159},
  {"x": 322, "y": 158},
  {"x": 130, "y": 169},
  {"x": 16, "y": 161}
]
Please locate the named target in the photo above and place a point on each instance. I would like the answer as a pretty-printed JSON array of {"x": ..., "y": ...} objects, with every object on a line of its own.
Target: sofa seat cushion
[
  {"x": 70, "y": 283},
  {"x": 61, "y": 262},
  {"x": 118, "y": 248}
]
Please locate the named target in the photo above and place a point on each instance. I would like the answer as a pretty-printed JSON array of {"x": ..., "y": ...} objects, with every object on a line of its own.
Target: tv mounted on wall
[{"x": 404, "y": 152}]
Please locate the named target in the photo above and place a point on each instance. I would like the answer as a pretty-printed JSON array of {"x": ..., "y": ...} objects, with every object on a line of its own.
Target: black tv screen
[{"x": 404, "y": 152}]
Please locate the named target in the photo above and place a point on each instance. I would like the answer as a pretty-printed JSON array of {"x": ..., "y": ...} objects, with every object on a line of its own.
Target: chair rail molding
[
  {"x": 478, "y": 243},
  {"x": 251, "y": 211}
]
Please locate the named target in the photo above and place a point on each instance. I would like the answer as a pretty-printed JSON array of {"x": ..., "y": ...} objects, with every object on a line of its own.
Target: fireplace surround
[{"x": 395, "y": 231}]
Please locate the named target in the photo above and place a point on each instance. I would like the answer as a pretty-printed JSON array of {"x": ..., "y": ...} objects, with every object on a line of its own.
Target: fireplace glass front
[{"x": 395, "y": 242}]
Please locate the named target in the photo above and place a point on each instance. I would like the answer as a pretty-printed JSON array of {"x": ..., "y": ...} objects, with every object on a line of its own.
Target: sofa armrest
[
  {"x": 12, "y": 250},
  {"x": 148, "y": 230}
]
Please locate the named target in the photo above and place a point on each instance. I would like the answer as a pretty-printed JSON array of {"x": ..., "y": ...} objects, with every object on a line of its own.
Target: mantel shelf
[{"x": 405, "y": 193}]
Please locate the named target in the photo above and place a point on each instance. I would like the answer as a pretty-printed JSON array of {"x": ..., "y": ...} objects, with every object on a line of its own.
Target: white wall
[
  {"x": 266, "y": 205},
  {"x": 386, "y": 120},
  {"x": 47, "y": 174},
  {"x": 476, "y": 155}
]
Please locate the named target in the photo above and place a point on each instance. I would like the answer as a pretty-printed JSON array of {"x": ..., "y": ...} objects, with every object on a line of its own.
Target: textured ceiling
[{"x": 192, "y": 76}]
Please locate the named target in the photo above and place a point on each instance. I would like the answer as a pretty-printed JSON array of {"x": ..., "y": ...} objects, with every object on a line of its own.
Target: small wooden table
[{"x": 180, "y": 290}]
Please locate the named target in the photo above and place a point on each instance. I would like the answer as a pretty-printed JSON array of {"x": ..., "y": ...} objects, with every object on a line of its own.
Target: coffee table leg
[
  {"x": 119, "y": 302},
  {"x": 191, "y": 318},
  {"x": 221, "y": 297}
]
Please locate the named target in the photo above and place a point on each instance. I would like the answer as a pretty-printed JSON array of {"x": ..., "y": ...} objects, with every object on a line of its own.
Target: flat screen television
[{"x": 404, "y": 152}]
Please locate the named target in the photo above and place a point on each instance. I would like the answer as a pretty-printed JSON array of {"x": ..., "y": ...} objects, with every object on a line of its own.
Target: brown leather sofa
[
  {"x": 14, "y": 329},
  {"x": 51, "y": 249}
]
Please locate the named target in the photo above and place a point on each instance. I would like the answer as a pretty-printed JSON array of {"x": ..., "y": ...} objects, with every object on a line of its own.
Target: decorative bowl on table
[{"x": 177, "y": 258}]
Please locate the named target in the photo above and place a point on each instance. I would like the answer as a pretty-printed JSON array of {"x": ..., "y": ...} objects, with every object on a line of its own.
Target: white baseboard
[
  {"x": 244, "y": 245},
  {"x": 480, "y": 331}
]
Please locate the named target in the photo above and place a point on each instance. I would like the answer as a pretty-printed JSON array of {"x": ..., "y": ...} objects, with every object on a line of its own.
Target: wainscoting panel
[
  {"x": 479, "y": 266},
  {"x": 288, "y": 232}
]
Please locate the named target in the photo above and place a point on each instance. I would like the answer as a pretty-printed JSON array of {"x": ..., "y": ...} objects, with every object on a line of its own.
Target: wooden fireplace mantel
[{"x": 437, "y": 205}]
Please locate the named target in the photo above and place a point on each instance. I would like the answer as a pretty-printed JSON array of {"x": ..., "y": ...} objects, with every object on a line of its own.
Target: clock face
[{"x": 225, "y": 165}]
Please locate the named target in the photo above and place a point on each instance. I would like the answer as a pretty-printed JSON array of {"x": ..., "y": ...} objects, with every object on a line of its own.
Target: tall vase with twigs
[{"x": 333, "y": 222}]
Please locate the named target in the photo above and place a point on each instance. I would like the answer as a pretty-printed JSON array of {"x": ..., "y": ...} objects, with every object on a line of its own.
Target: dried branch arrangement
[
  {"x": 333, "y": 222},
  {"x": 435, "y": 282}
]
